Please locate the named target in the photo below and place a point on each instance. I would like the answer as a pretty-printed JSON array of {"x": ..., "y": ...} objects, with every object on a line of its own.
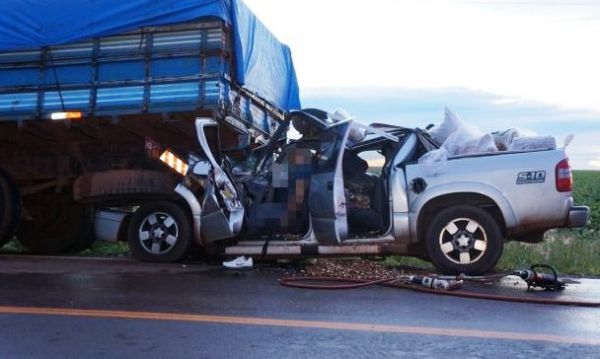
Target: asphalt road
[{"x": 70, "y": 308}]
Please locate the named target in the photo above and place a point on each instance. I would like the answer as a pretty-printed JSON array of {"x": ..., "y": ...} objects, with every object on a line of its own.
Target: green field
[{"x": 571, "y": 251}]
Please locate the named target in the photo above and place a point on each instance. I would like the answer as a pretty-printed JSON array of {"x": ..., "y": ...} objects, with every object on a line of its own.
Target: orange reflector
[
  {"x": 174, "y": 162},
  {"x": 71, "y": 115}
]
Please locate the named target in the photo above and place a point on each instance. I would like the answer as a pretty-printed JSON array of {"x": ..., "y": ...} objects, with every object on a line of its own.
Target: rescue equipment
[
  {"x": 541, "y": 276},
  {"x": 535, "y": 278}
]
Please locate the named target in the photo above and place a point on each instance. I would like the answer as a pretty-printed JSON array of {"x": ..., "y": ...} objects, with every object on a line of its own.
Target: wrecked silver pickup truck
[{"x": 331, "y": 192}]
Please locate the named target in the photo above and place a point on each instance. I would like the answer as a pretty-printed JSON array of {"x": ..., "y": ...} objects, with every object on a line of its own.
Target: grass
[
  {"x": 571, "y": 251},
  {"x": 98, "y": 249},
  {"x": 586, "y": 191},
  {"x": 13, "y": 247},
  {"x": 106, "y": 249}
]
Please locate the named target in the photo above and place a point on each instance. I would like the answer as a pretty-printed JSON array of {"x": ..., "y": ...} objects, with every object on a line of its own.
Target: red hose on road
[{"x": 300, "y": 282}]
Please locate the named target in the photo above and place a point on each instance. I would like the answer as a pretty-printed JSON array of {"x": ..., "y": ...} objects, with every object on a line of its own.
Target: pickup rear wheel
[
  {"x": 464, "y": 239},
  {"x": 160, "y": 232}
]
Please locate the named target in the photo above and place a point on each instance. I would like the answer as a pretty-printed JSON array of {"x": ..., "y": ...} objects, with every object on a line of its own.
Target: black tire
[
  {"x": 160, "y": 232},
  {"x": 464, "y": 239},
  {"x": 123, "y": 185},
  {"x": 88, "y": 237},
  {"x": 10, "y": 208},
  {"x": 56, "y": 224}
]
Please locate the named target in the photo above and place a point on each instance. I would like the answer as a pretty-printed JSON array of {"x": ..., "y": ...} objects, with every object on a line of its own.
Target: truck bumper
[
  {"x": 578, "y": 216},
  {"x": 110, "y": 225}
]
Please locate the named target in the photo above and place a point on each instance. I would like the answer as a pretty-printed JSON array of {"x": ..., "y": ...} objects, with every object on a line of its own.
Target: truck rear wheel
[
  {"x": 160, "y": 232},
  {"x": 10, "y": 208},
  {"x": 56, "y": 224},
  {"x": 464, "y": 239}
]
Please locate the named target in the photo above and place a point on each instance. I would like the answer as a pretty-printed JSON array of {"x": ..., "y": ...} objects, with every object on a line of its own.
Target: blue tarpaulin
[{"x": 263, "y": 64}]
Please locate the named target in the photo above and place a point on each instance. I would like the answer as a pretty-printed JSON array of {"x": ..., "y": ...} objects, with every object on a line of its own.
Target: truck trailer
[{"x": 93, "y": 94}]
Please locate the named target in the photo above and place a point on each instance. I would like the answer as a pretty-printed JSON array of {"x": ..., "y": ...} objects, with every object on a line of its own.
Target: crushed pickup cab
[{"x": 332, "y": 192}]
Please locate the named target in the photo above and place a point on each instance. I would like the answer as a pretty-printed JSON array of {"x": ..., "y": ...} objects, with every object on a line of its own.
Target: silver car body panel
[
  {"x": 222, "y": 214},
  {"x": 398, "y": 190},
  {"x": 195, "y": 209},
  {"x": 326, "y": 199},
  {"x": 525, "y": 207}
]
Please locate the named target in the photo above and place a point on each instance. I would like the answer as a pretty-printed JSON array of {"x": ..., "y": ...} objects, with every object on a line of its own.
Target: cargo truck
[{"x": 94, "y": 93}]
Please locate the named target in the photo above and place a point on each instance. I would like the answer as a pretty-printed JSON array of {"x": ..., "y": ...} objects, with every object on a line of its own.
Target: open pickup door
[
  {"x": 326, "y": 199},
  {"x": 222, "y": 213}
]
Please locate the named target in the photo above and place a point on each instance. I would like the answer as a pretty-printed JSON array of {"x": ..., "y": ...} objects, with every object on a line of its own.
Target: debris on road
[
  {"x": 239, "y": 263},
  {"x": 349, "y": 268},
  {"x": 358, "y": 273}
]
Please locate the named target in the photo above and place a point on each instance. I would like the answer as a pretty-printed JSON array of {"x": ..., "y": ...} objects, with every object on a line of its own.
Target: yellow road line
[{"x": 273, "y": 322}]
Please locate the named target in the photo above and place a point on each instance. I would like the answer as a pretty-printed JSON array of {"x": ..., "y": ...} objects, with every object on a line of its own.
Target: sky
[{"x": 531, "y": 64}]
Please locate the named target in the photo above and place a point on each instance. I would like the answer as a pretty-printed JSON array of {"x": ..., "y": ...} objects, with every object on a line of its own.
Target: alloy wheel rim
[
  {"x": 463, "y": 241},
  {"x": 158, "y": 233}
]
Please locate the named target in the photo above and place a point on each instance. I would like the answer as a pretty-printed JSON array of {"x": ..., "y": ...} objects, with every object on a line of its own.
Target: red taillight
[{"x": 564, "y": 178}]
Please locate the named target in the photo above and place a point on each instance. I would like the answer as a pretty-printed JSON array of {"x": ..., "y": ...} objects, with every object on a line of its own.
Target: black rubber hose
[{"x": 300, "y": 282}]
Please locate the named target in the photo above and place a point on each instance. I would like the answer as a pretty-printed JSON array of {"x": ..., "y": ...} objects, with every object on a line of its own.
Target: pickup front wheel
[
  {"x": 464, "y": 239},
  {"x": 160, "y": 232}
]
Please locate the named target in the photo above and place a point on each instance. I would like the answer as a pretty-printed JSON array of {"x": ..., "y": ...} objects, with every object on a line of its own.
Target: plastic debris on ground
[
  {"x": 456, "y": 138},
  {"x": 239, "y": 263}
]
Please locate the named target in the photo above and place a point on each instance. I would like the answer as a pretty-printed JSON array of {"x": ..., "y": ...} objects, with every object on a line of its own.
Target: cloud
[
  {"x": 520, "y": 49},
  {"x": 595, "y": 163},
  {"x": 504, "y": 101}
]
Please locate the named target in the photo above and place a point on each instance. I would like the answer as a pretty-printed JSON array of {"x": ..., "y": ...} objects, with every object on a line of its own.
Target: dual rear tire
[{"x": 55, "y": 224}]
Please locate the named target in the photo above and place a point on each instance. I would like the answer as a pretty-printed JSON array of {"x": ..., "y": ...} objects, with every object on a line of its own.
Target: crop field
[
  {"x": 573, "y": 251},
  {"x": 587, "y": 192}
]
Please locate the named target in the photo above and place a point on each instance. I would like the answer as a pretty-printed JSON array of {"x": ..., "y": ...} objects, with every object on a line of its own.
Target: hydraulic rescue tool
[{"x": 537, "y": 279}]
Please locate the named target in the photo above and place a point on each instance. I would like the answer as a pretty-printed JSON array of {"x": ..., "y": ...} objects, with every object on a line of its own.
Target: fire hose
[{"x": 537, "y": 276}]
